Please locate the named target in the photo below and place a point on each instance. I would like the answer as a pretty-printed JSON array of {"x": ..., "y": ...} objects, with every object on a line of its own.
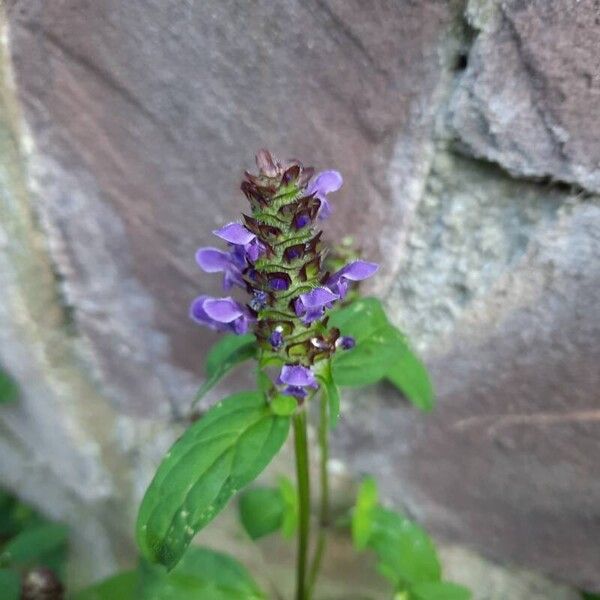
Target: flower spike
[{"x": 276, "y": 256}]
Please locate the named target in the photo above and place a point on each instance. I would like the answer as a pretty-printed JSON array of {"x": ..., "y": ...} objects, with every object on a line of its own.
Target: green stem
[
  {"x": 303, "y": 482},
  {"x": 324, "y": 506}
]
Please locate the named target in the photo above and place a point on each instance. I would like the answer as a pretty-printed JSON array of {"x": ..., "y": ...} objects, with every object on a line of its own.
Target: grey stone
[
  {"x": 530, "y": 96},
  {"x": 516, "y": 379}
]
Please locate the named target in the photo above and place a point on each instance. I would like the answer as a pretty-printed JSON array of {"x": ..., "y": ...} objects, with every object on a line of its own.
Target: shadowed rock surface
[{"x": 469, "y": 138}]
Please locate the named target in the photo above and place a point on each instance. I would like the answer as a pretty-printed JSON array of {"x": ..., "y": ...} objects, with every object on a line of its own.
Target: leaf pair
[
  {"x": 381, "y": 352},
  {"x": 406, "y": 554},
  {"x": 214, "y": 458},
  {"x": 201, "y": 575}
]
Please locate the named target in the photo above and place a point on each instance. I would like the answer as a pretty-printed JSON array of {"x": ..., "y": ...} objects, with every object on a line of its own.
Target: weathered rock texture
[{"x": 469, "y": 137}]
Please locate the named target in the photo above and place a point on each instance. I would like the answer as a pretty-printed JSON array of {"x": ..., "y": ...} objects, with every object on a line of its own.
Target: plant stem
[
  {"x": 324, "y": 506},
  {"x": 303, "y": 482}
]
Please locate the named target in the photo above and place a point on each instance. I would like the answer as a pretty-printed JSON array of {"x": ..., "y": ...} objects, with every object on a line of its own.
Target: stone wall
[{"x": 468, "y": 135}]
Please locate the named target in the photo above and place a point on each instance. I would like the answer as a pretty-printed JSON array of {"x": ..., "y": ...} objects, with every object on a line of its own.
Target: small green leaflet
[
  {"x": 406, "y": 553},
  {"x": 43, "y": 544},
  {"x": 215, "y": 457},
  {"x": 10, "y": 585},
  {"x": 381, "y": 352},
  {"x": 362, "y": 515},
  {"x": 332, "y": 392},
  {"x": 228, "y": 352},
  {"x": 283, "y": 405},
  {"x": 9, "y": 391},
  {"x": 289, "y": 496},
  {"x": 439, "y": 591},
  {"x": 201, "y": 575},
  {"x": 265, "y": 510},
  {"x": 261, "y": 511},
  {"x": 119, "y": 587}
]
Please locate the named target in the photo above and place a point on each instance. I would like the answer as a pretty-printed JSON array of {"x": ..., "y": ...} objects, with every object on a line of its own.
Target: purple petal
[
  {"x": 222, "y": 310},
  {"x": 356, "y": 271},
  {"x": 241, "y": 325},
  {"x": 297, "y": 376},
  {"x": 254, "y": 249},
  {"x": 325, "y": 183},
  {"x": 235, "y": 233},
  {"x": 212, "y": 260},
  {"x": 324, "y": 209},
  {"x": 293, "y": 390},
  {"x": 318, "y": 297},
  {"x": 198, "y": 314}
]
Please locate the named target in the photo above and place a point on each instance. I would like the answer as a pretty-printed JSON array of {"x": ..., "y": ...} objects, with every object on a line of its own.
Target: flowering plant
[{"x": 308, "y": 338}]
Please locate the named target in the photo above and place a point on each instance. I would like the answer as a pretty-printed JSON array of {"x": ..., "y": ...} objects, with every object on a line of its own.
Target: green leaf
[
  {"x": 381, "y": 351},
  {"x": 361, "y": 319},
  {"x": 43, "y": 544},
  {"x": 406, "y": 554},
  {"x": 261, "y": 511},
  {"x": 589, "y": 596},
  {"x": 9, "y": 391},
  {"x": 291, "y": 511},
  {"x": 10, "y": 585},
  {"x": 439, "y": 591},
  {"x": 215, "y": 457},
  {"x": 283, "y": 405},
  {"x": 373, "y": 356},
  {"x": 201, "y": 575},
  {"x": 362, "y": 515},
  {"x": 228, "y": 352},
  {"x": 122, "y": 586},
  {"x": 368, "y": 361},
  {"x": 410, "y": 376}
]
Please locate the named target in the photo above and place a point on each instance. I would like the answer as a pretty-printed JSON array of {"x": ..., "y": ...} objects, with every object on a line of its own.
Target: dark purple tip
[
  {"x": 301, "y": 220},
  {"x": 279, "y": 281},
  {"x": 346, "y": 342},
  {"x": 276, "y": 339},
  {"x": 294, "y": 252}
]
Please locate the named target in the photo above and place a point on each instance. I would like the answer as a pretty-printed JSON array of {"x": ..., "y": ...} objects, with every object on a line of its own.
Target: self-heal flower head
[
  {"x": 221, "y": 314},
  {"x": 325, "y": 183},
  {"x": 237, "y": 234},
  {"x": 275, "y": 254},
  {"x": 296, "y": 378},
  {"x": 357, "y": 270},
  {"x": 311, "y": 305}
]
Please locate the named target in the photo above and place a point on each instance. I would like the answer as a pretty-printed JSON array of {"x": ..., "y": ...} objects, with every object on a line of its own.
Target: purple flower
[
  {"x": 230, "y": 264},
  {"x": 296, "y": 378},
  {"x": 258, "y": 300},
  {"x": 237, "y": 234},
  {"x": 276, "y": 338},
  {"x": 325, "y": 183},
  {"x": 221, "y": 314},
  {"x": 354, "y": 271},
  {"x": 311, "y": 305}
]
